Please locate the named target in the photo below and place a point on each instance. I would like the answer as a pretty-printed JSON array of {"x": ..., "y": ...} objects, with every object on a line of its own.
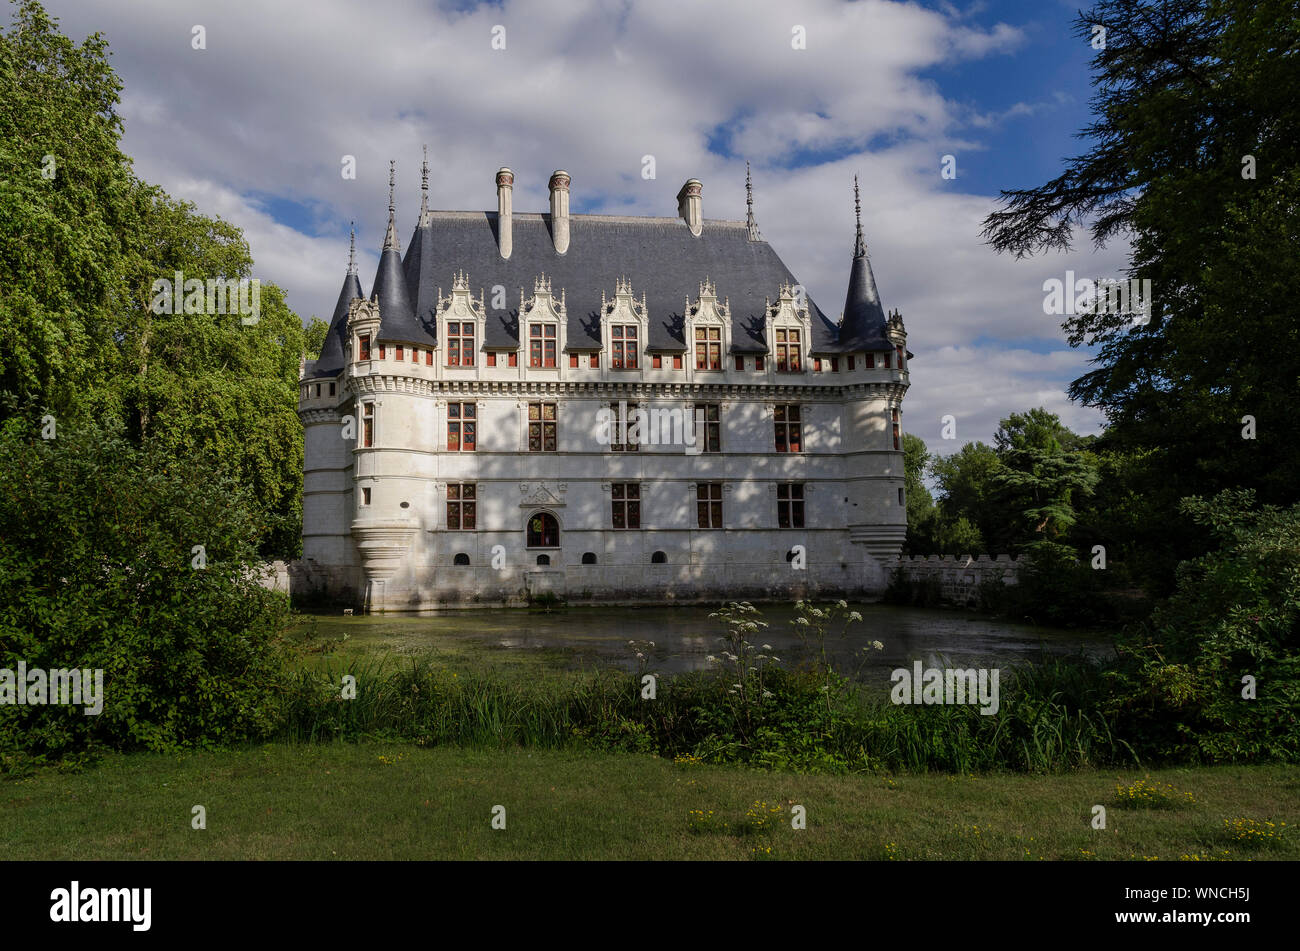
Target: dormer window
[
  {"x": 708, "y": 348},
  {"x": 623, "y": 341},
  {"x": 541, "y": 345},
  {"x": 788, "y": 351},
  {"x": 460, "y": 343},
  {"x": 363, "y": 348}
]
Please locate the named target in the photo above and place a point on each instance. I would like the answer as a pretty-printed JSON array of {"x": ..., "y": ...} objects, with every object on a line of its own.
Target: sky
[{"x": 254, "y": 128}]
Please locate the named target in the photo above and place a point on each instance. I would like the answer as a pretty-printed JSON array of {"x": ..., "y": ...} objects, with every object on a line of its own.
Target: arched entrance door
[{"x": 543, "y": 531}]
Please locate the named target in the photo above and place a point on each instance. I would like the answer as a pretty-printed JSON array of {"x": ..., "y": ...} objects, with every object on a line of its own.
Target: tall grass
[{"x": 1047, "y": 721}]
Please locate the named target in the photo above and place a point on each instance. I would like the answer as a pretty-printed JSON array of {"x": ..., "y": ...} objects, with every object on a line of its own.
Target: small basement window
[
  {"x": 589, "y": 558},
  {"x": 460, "y": 559},
  {"x": 658, "y": 558},
  {"x": 543, "y": 559}
]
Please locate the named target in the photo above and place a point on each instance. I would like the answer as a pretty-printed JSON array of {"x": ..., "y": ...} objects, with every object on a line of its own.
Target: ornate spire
[
  {"x": 352, "y": 248},
  {"x": 750, "y": 223},
  {"x": 424, "y": 187},
  {"x": 859, "y": 245},
  {"x": 390, "y": 238}
]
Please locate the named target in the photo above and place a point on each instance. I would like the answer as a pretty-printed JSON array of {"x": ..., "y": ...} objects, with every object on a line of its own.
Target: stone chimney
[
  {"x": 690, "y": 206},
  {"x": 505, "y": 215},
  {"x": 560, "y": 210}
]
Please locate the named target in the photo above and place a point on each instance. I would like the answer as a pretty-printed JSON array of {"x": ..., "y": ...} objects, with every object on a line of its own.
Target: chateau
[{"x": 599, "y": 408}]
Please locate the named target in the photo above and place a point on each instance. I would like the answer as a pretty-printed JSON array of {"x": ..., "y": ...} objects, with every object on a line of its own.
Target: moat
[{"x": 684, "y": 636}]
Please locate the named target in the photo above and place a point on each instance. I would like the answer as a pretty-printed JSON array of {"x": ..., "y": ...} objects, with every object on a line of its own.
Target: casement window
[
  {"x": 789, "y": 504},
  {"x": 383, "y": 351},
  {"x": 573, "y": 361},
  {"x": 365, "y": 496},
  {"x": 677, "y": 361},
  {"x": 708, "y": 504},
  {"x": 898, "y": 439},
  {"x": 460, "y": 343},
  {"x": 788, "y": 352},
  {"x": 835, "y": 364},
  {"x": 621, "y": 427},
  {"x": 708, "y": 348},
  {"x": 428, "y": 358},
  {"x": 513, "y": 359},
  {"x": 541, "y": 345},
  {"x": 318, "y": 389},
  {"x": 759, "y": 363},
  {"x": 541, "y": 427},
  {"x": 888, "y": 360},
  {"x": 871, "y": 361},
  {"x": 363, "y": 347},
  {"x": 543, "y": 532},
  {"x": 710, "y": 439},
  {"x": 853, "y": 363},
  {"x": 626, "y": 502},
  {"x": 367, "y": 425},
  {"x": 400, "y": 351},
  {"x": 657, "y": 361},
  {"x": 900, "y": 495},
  {"x": 623, "y": 340},
  {"x": 817, "y": 364},
  {"x": 899, "y": 349},
  {"x": 461, "y": 427},
  {"x": 595, "y": 360},
  {"x": 492, "y": 359},
  {"x": 740, "y": 363},
  {"x": 789, "y": 428},
  {"x": 462, "y": 498},
  {"x": 331, "y": 389}
]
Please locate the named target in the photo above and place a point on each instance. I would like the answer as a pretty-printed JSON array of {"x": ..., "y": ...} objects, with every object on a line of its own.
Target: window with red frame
[
  {"x": 708, "y": 348},
  {"x": 461, "y": 428},
  {"x": 460, "y": 343},
  {"x": 789, "y": 434},
  {"x": 461, "y": 504},
  {"x": 623, "y": 338},
  {"x": 541, "y": 345},
  {"x": 788, "y": 358}
]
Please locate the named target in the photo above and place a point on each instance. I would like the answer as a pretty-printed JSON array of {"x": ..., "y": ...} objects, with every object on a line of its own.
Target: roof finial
[
  {"x": 859, "y": 245},
  {"x": 424, "y": 187},
  {"x": 750, "y": 223},
  {"x": 352, "y": 248},
  {"x": 390, "y": 237}
]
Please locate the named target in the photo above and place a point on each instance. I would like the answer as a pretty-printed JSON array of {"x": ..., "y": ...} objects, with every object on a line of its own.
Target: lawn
[{"x": 397, "y": 801}]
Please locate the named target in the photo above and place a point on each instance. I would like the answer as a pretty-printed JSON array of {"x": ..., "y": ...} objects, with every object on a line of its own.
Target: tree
[
  {"x": 1195, "y": 158},
  {"x": 965, "y": 481},
  {"x": 313, "y": 337},
  {"x": 1039, "y": 481},
  {"x": 920, "y": 504}
]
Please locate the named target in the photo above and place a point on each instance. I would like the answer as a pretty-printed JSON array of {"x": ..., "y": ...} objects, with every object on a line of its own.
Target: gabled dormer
[
  {"x": 708, "y": 329},
  {"x": 789, "y": 330},
  {"x": 461, "y": 323},
  {"x": 625, "y": 326},
  {"x": 543, "y": 322}
]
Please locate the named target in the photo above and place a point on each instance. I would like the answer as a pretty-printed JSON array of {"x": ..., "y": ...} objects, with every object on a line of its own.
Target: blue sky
[{"x": 253, "y": 127}]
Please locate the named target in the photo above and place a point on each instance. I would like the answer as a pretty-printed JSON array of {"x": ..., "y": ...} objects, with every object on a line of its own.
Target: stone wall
[{"x": 960, "y": 576}]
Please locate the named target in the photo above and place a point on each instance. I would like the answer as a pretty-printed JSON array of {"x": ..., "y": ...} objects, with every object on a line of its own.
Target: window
[
  {"x": 626, "y": 500},
  {"x": 400, "y": 350},
  {"x": 541, "y": 427},
  {"x": 758, "y": 363},
  {"x": 871, "y": 361},
  {"x": 624, "y": 341},
  {"x": 789, "y": 435},
  {"x": 383, "y": 351},
  {"x": 789, "y": 504},
  {"x": 365, "y": 496},
  {"x": 899, "y": 349},
  {"x": 621, "y": 427},
  {"x": 462, "y": 499},
  {"x": 817, "y": 364},
  {"x": 367, "y": 425},
  {"x": 588, "y": 557},
  {"x": 740, "y": 363},
  {"x": 658, "y": 558},
  {"x": 460, "y": 559},
  {"x": 887, "y": 360},
  {"x": 513, "y": 359},
  {"x": 461, "y": 420},
  {"x": 460, "y": 343},
  {"x": 677, "y": 361},
  {"x": 364, "y": 348},
  {"x": 853, "y": 362},
  {"x": 543, "y": 531},
  {"x": 541, "y": 345},
  {"x": 835, "y": 364},
  {"x": 657, "y": 361},
  {"x": 492, "y": 359},
  {"x": 428, "y": 358},
  {"x": 708, "y": 504},
  {"x": 331, "y": 389},
  {"x": 712, "y": 432},
  {"x": 544, "y": 560},
  {"x": 900, "y": 495},
  {"x": 708, "y": 348},
  {"x": 573, "y": 361},
  {"x": 897, "y": 436},
  {"x": 594, "y": 362},
  {"x": 318, "y": 389},
  {"x": 787, "y": 350}
]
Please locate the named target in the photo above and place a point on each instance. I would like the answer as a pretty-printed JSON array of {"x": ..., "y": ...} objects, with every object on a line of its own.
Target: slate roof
[
  {"x": 658, "y": 255},
  {"x": 863, "y": 326},
  {"x": 330, "y": 362}
]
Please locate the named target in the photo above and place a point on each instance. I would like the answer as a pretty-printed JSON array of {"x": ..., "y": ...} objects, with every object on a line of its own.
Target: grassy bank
[{"x": 381, "y": 801}]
